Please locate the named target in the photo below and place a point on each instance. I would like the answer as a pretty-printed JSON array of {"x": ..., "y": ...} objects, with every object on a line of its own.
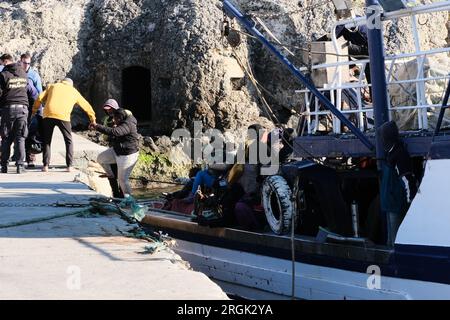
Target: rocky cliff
[{"x": 192, "y": 73}]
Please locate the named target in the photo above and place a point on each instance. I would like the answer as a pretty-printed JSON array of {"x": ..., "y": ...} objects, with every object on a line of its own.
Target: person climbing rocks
[
  {"x": 60, "y": 99},
  {"x": 14, "y": 112},
  {"x": 125, "y": 148}
]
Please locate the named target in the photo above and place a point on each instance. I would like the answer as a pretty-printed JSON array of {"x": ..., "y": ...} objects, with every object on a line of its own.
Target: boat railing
[{"x": 407, "y": 75}]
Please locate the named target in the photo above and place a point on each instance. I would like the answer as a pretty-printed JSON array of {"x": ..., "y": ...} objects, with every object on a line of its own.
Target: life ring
[{"x": 277, "y": 203}]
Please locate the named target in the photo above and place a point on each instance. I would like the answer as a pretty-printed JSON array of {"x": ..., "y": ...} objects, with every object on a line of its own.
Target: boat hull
[
  {"x": 254, "y": 276},
  {"x": 259, "y": 265}
]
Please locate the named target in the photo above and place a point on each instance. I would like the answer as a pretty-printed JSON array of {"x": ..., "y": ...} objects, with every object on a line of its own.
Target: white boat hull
[{"x": 254, "y": 276}]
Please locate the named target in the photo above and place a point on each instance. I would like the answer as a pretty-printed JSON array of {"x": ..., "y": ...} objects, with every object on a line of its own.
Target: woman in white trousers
[{"x": 125, "y": 148}]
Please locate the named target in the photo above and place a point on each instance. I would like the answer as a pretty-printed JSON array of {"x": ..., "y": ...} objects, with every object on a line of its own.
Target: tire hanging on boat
[{"x": 277, "y": 203}]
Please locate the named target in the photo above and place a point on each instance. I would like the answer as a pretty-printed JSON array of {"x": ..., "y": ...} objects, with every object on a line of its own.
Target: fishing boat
[{"x": 303, "y": 257}]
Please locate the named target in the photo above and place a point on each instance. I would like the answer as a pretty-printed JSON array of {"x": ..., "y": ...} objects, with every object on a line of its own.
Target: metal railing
[{"x": 417, "y": 97}]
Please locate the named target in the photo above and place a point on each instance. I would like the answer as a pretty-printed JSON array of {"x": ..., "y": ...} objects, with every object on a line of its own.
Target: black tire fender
[{"x": 276, "y": 197}]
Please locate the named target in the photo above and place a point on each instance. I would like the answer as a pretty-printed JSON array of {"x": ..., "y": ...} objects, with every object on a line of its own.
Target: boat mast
[
  {"x": 378, "y": 75},
  {"x": 379, "y": 96}
]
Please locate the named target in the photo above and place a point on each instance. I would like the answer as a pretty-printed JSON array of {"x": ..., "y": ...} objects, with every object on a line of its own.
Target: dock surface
[{"x": 73, "y": 257}]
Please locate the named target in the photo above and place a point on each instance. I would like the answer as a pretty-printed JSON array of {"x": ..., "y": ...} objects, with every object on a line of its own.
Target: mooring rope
[{"x": 37, "y": 220}]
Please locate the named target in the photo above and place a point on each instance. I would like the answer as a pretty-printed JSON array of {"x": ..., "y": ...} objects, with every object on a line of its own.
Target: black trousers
[
  {"x": 116, "y": 190},
  {"x": 13, "y": 129},
  {"x": 35, "y": 134},
  {"x": 48, "y": 124}
]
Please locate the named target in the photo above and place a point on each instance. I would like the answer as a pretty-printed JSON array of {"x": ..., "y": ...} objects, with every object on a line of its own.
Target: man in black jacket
[
  {"x": 125, "y": 148},
  {"x": 14, "y": 110},
  {"x": 109, "y": 107}
]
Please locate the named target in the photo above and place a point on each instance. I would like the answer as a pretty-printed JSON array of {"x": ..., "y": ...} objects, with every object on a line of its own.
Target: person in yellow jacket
[{"x": 59, "y": 100}]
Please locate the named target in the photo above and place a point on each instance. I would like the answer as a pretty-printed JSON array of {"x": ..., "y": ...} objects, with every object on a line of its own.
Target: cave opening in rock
[{"x": 136, "y": 92}]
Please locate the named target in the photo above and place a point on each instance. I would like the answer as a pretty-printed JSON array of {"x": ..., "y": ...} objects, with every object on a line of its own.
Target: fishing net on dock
[{"x": 128, "y": 208}]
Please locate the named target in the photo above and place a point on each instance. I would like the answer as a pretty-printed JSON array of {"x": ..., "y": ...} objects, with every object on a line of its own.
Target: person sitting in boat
[
  {"x": 248, "y": 211},
  {"x": 245, "y": 184},
  {"x": 242, "y": 185},
  {"x": 280, "y": 143},
  {"x": 188, "y": 185},
  {"x": 175, "y": 200},
  {"x": 216, "y": 168},
  {"x": 399, "y": 184},
  {"x": 209, "y": 194}
]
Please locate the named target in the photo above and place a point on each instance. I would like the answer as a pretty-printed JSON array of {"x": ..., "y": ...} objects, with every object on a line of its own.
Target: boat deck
[{"x": 347, "y": 145}]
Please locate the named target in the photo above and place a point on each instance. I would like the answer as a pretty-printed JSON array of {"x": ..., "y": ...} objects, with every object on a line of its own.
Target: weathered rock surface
[{"x": 193, "y": 74}]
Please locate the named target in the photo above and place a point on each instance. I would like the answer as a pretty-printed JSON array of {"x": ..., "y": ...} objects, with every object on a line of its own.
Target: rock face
[
  {"x": 165, "y": 60},
  {"x": 48, "y": 29}
]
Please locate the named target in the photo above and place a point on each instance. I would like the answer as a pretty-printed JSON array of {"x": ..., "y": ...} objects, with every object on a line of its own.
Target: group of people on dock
[{"x": 30, "y": 112}]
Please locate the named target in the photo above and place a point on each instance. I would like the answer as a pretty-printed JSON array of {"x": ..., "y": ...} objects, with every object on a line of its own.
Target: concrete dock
[{"x": 72, "y": 257}]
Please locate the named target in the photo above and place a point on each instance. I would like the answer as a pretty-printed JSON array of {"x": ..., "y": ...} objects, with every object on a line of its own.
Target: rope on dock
[
  {"x": 37, "y": 220},
  {"x": 102, "y": 206}
]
